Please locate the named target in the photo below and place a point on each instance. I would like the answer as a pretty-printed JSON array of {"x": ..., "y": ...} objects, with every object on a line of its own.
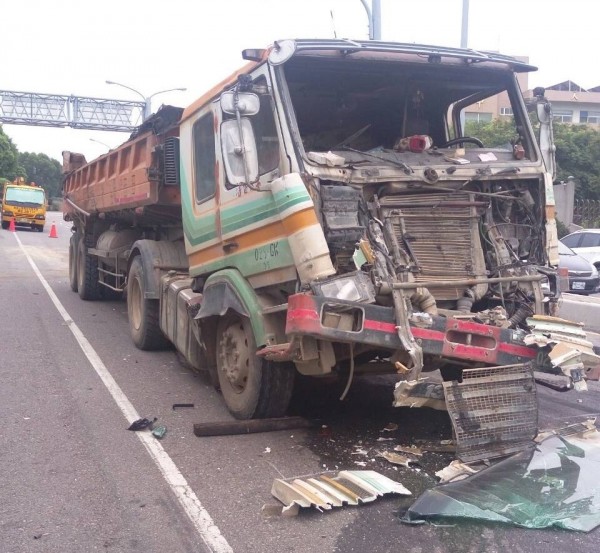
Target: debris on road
[
  {"x": 159, "y": 432},
  {"x": 419, "y": 393},
  {"x": 142, "y": 424},
  {"x": 411, "y": 450},
  {"x": 396, "y": 458},
  {"x": 390, "y": 427},
  {"x": 252, "y": 426},
  {"x": 182, "y": 405},
  {"x": 455, "y": 471},
  {"x": 323, "y": 492},
  {"x": 552, "y": 484}
]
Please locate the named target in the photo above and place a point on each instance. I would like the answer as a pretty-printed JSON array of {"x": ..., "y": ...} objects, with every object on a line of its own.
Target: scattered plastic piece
[
  {"x": 396, "y": 458},
  {"x": 390, "y": 427},
  {"x": 455, "y": 471},
  {"x": 412, "y": 450},
  {"x": 181, "y": 405},
  {"x": 142, "y": 424},
  {"x": 419, "y": 393},
  {"x": 159, "y": 432}
]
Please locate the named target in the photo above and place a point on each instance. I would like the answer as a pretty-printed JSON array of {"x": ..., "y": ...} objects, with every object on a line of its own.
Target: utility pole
[
  {"x": 147, "y": 99},
  {"x": 464, "y": 31},
  {"x": 374, "y": 17}
]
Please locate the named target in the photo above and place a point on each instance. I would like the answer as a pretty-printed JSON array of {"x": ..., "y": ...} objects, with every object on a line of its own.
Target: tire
[
  {"x": 252, "y": 387},
  {"x": 40, "y": 228},
  {"x": 5, "y": 225},
  {"x": 73, "y": 261},
  {"x": 144, "y": 324},
  {"x": 88, "y": 286}
]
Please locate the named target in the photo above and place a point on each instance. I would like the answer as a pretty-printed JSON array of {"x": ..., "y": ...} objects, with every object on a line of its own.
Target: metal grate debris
[
  {"x": 324, "y": 491},
  {"x": 493, "y": 410}
]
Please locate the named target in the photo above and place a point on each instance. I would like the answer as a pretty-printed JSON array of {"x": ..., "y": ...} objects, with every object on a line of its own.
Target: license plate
[
  {"x": 23, "y": 221},
  {"x": 577, "y": 285}
]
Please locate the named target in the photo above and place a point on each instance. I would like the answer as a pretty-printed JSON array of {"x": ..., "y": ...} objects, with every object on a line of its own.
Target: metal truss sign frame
[{"x": 79, "y": 112}]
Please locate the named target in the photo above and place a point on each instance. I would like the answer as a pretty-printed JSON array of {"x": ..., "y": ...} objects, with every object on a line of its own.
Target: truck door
[
  {"x": 252, "y": 237},
  {"x": 200, "y": 204}
]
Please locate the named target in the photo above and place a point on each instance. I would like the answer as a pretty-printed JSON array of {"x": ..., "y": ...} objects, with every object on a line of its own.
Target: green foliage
[
  {"x": 578, "y": 155},
  {"x": 493, "y": 134},
  {"x": 9, "y": 158},
  {"x": 561, "y": 228},
  {"x": 42, "y": 170}
]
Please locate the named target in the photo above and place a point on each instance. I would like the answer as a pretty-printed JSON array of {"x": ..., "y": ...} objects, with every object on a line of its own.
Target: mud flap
[{"x": 494, "y": 411}]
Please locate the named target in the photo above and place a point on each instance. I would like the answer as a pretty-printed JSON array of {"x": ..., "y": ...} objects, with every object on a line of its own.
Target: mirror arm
[{"x": 238, "y": 118}]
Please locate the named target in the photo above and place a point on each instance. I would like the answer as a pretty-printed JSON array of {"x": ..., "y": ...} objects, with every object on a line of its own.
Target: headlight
[
  {"x": 39, "y": 216},
  {"x": 7, "y": 213},
  {"x": 351, "y": 287},
  {"x": 545, "y": 285}
]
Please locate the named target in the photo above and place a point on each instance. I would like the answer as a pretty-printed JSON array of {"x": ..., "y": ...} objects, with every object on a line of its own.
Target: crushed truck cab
[{"x": 323, "y": 211}]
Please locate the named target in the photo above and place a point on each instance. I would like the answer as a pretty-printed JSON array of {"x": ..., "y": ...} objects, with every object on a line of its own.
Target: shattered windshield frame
[{"x": 364, "y": 109}]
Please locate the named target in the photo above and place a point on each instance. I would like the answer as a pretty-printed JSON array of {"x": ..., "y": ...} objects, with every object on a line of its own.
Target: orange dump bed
[{"x": 130, "y": 177}]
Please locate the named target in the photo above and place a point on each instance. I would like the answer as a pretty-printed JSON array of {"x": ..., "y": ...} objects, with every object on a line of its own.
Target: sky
[{"x": 74, "y": 46}]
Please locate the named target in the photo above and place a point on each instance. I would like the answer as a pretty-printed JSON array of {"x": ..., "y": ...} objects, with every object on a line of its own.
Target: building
[
  {"x": 498, "y": 105},
  {"x": 573, "y": 104}
]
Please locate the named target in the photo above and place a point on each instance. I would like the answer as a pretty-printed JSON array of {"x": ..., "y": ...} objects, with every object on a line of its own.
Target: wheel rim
[
  {"x": 134, "y": 296},
  {"x": 234, "y": 356}
]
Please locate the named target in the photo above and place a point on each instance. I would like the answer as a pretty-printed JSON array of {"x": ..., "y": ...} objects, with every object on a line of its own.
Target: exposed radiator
[{"x": 442, "y": 231}]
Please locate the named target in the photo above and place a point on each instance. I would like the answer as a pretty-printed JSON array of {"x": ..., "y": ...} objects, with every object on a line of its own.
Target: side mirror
[
  {"x": 248, "y": 103},
  {"x": 239, "y": 152}
]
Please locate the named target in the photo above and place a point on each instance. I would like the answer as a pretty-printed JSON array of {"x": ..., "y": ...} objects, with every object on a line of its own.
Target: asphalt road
[{"x": 75, "y": 480}]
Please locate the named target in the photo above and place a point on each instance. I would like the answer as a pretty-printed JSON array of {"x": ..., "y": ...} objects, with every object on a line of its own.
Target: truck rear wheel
[
  {"x": 143, "y": 313},
  {"x": 252, "y": 387},
  {"x": 87, "y": 274},
  {"x": 73, "y": 261}
]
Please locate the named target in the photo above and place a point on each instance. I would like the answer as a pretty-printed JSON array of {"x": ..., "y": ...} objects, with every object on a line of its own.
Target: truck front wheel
[
  {"x": 143, "y": 313},
  {"x": 252, "y": 387}
]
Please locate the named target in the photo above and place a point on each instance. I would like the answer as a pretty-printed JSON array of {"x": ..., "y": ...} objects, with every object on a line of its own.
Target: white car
[{"x": 586, "y": 243}]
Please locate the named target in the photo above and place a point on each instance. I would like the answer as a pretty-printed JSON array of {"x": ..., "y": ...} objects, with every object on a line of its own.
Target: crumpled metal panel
[
  {"x": 494, "y": 411},
  {"x": 323, "y": 492}
]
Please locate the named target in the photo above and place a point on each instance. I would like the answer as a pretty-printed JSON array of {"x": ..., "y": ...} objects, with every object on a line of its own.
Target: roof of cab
[{"x": 345, "y": 48}]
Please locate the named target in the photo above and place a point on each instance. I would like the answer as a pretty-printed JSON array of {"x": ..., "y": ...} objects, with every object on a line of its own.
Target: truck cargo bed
[{"x": 130, "y": 178}]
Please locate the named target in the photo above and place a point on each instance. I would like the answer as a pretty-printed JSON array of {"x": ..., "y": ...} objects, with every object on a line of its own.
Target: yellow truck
[
  {"x": 25, "y": 204},
  {"x": 322, "y": 212}
]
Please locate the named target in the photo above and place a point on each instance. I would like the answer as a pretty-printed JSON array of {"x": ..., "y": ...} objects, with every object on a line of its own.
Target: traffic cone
[
  {"x": 53, "y": 231},
  {"x": 11, "y": 227}
]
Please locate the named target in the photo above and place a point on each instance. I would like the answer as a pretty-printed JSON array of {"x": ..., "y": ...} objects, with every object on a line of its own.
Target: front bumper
[{"x": 374, "y": 325}]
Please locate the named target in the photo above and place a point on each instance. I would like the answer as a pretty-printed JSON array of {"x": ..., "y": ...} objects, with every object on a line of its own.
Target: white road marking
[{"x": 208, "y": 530}]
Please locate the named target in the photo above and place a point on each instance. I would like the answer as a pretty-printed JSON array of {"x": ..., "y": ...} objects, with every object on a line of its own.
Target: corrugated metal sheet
[{"x": 325, "y": 491}]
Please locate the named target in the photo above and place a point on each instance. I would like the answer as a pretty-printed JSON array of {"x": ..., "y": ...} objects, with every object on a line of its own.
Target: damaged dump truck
[{"x": 322, "y": 211}]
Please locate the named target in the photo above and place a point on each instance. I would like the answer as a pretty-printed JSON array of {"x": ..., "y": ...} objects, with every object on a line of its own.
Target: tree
[
  {"x": 44, "y": 171},
  {"x": 492, "y": 133},
  {"x": 9, "y": 158},
  {"x": 577, "y": 151},
  {"x": 578, "y": 155}
]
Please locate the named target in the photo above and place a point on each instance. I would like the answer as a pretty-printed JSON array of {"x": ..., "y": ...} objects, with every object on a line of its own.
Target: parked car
[
  {"x": 586, "y": 243},
  {"x": 583, "y": 276}
]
